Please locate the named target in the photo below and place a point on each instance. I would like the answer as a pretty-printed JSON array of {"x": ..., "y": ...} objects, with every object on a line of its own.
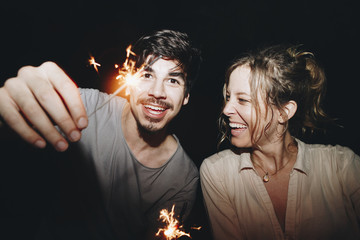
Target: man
[{"x": 123, "y": 166}]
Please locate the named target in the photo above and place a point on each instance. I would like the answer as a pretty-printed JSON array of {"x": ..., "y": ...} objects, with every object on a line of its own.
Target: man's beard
[{"x": 149, "y": 128}]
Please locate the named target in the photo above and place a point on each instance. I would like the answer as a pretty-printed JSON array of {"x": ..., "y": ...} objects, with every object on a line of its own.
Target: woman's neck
[{"x": 275, "y": 155}]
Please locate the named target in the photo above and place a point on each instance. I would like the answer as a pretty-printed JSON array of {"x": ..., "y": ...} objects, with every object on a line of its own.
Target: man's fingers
[
  {"x": 40, "y": 96},
  {"x": 16, "y": 122},
  {"x": 69, "y": 92},
  {"x": 33, "y": 112},
  {"x": 53, "y": 105}
]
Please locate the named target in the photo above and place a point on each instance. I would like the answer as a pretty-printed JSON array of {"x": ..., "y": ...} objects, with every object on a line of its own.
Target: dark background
[{"x": 68, "y": 32}]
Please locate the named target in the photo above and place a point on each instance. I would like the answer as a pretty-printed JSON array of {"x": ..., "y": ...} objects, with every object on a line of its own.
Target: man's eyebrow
[
  {"x": 148, "y": 68},
  {"x": 171, "y": 74},
  {"x": 177, "y": 74}
]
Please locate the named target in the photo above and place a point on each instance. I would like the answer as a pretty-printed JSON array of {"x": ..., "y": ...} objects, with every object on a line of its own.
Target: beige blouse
[{"x": 323, "y": 197}]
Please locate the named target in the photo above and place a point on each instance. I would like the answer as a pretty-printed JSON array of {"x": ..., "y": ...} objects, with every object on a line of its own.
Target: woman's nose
[{"x": 228, "y": 108}]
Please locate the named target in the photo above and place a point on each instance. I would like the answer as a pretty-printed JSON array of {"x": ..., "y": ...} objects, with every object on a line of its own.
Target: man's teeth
[
  {"x": 237, "y": 125},
  {"x": 151, "y": 107}
]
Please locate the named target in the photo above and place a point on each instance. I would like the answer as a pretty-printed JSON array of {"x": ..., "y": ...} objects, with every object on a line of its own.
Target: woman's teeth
[{"x": 237, "y": 125}]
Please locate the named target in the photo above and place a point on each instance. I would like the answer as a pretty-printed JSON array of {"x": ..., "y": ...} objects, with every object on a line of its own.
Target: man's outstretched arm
[{"x": 39, "y": 97}]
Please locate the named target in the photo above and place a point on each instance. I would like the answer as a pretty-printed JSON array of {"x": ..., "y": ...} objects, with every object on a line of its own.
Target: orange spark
[
  {"x": 128, "y": 74},
  {"x": 196, "y": 228},
  {"x": 172, "y": 230},
  {"x": 128, "y": 70},
  {"x": 94, "y": 63}
]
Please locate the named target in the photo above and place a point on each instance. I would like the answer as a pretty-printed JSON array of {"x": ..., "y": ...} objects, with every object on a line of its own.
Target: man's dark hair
[{"x": 172, "y": 45}]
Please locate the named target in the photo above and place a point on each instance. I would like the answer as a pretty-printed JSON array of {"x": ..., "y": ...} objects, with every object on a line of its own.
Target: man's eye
[
  {"x": 173, "y": 81},
  {"x": 147, "y": 75}
]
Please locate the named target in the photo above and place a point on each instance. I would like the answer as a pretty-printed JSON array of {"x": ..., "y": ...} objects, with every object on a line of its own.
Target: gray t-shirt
[{"x": 132, "y": 194}]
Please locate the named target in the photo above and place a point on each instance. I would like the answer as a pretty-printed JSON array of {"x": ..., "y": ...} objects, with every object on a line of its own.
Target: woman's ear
[{"x": 290, "y": 110}]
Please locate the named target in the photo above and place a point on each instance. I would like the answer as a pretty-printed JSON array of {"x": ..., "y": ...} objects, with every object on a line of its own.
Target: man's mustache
[{"x": 155, "y": 101}]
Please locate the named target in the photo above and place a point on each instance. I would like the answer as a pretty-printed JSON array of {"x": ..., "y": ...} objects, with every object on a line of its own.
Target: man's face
[{"x": 158, "y": 96}]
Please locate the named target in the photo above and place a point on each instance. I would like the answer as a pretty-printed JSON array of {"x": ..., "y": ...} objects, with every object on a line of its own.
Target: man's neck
[{"x": 152, "y": 149}]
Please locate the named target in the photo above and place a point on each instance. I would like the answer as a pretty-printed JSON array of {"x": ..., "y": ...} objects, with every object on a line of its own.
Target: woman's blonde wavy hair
[{"x": 282, "y": 73}]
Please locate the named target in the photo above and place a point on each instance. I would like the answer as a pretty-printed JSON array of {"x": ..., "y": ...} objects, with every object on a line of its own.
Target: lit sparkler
[
  {"x": 128, "y": 74},
  {"x": 172, "y": 230},
  {"x": 95, "y": 64}
]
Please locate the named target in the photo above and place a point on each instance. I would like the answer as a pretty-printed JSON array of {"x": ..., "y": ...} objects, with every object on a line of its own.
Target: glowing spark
[
  {"x": 95, "y": 64},
  {"x": 128, "y": 74},
  {"x": 196, "y": 228},
  {"x": 172, "y": 230}
]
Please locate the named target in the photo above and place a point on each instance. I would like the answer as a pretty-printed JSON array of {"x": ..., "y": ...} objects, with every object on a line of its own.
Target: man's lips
[
  {"x": 154, "y": 112},
  {"x": 153, "y": 109}
]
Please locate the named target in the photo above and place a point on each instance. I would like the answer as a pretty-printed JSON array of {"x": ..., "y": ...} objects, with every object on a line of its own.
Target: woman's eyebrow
[{"x": 240, "y": 93}]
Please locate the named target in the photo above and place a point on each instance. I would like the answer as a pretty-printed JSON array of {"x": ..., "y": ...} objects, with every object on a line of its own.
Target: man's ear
[
  {"x": 290, "y": 110},
  {"x": 186, "y": 99}
]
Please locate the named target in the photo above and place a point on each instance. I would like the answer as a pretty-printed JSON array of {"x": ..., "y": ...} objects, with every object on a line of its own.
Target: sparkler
[
  {"x": 128, "y": 74},
  {"x": 95, "y": 64},
  {"x": 172, "y": 231}
]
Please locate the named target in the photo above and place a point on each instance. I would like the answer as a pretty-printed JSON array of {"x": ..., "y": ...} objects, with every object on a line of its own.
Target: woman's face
[{"x": 241, "y": 113}]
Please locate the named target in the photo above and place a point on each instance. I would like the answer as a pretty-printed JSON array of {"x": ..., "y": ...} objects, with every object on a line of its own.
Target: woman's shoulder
[
  {"x": 335, "y": 153},
  {"x": 327, "y": 149},
  {"x": 220, "y": 161},
  {"x": 226, "y": 154}
]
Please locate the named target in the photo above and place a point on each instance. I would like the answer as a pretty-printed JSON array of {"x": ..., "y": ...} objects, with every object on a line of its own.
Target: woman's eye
[
  {"x": 227, "y": 98},
  {"x": 242, "y": 100}
]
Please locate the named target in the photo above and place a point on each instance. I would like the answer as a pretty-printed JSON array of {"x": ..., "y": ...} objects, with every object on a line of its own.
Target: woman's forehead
[{"x": 239, "y": 79}]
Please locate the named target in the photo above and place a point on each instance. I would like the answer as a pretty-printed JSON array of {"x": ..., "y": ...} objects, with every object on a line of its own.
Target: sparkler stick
[{"x": 126, "y": 75}]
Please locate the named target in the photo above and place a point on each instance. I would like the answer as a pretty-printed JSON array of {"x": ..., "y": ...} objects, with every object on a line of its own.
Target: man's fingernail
[
  {"x": 61, "y": 146},
  {"x": 40, "y": 144},
  {"x": 75, "y": 135},
  {"x": 82, "y": 122}
]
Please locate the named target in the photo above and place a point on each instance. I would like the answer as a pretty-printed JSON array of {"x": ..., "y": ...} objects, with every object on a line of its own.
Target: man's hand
[{"x": 38, "y": 98}]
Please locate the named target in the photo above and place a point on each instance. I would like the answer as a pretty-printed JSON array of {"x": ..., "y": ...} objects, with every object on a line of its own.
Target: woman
[{"x": 271, "y": 185}]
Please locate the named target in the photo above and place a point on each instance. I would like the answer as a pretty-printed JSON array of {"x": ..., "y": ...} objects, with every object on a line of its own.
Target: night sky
[{"x": 67, "y": 32}]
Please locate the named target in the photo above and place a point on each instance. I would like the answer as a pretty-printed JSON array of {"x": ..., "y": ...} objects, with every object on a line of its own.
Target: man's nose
[{"x": 157, "y": 89}]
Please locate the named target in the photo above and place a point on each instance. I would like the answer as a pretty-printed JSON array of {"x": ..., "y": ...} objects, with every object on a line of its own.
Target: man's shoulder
[
  {"x": 182, "y": 160},
  {"x": 93, "y": 99}
]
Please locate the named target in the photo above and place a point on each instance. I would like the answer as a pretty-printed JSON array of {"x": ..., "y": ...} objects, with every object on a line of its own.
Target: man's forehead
[{"x": 162, "y": 64}]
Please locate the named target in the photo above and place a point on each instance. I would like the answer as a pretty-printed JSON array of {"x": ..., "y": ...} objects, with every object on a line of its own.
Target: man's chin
[{"x": 150, "y": 128}]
